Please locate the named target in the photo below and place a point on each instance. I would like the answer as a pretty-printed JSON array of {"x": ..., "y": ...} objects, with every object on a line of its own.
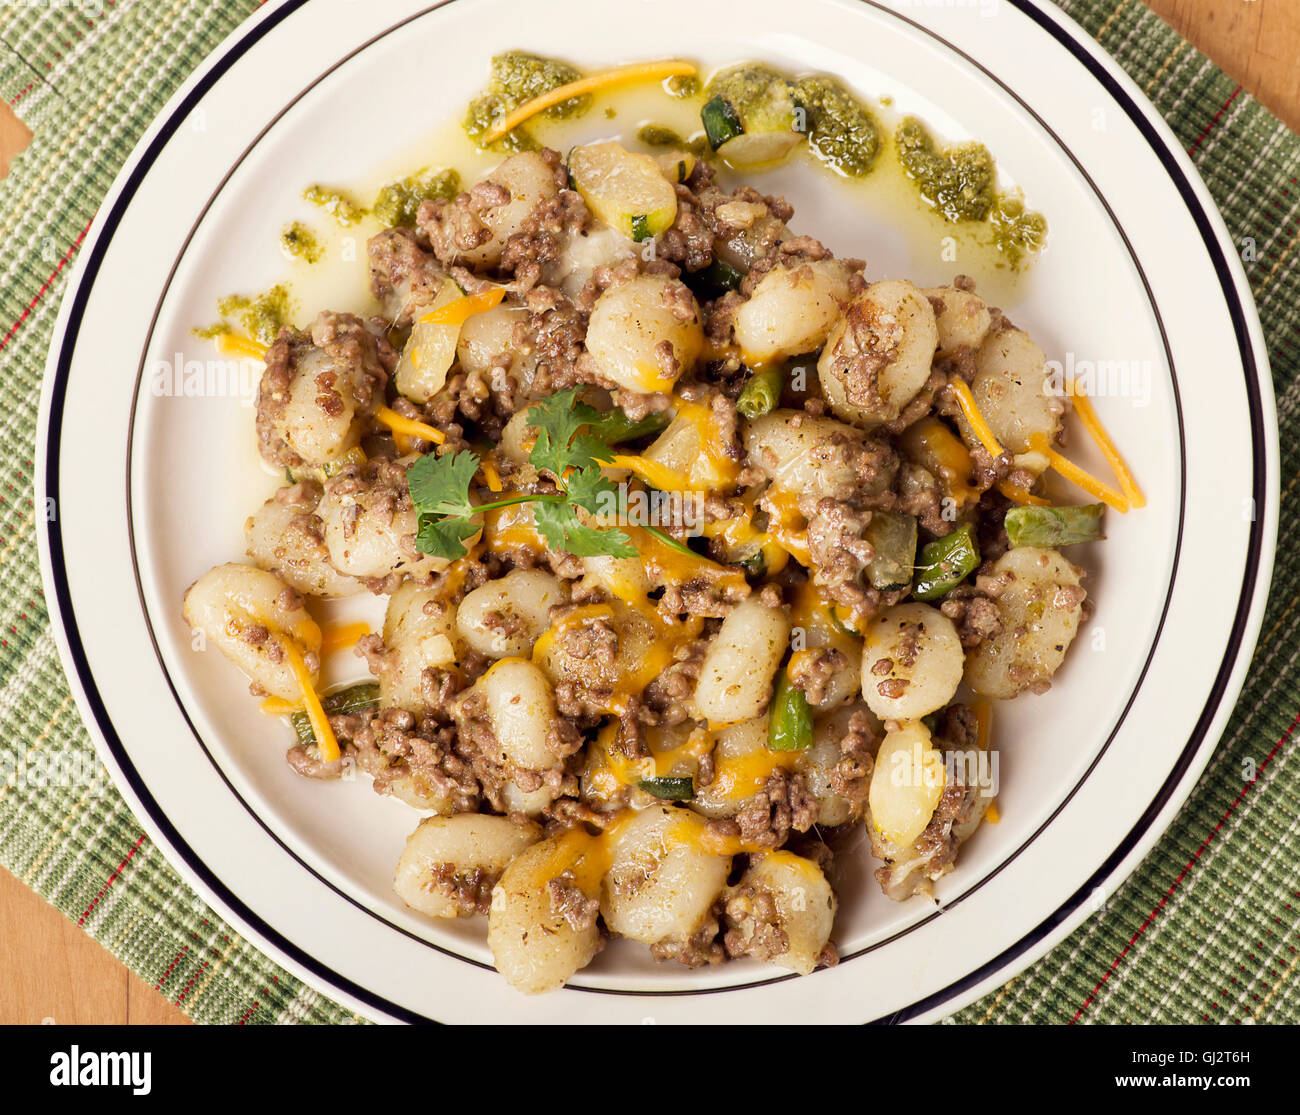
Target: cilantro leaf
[
  {"x": 444, "y": 538},
  {"x": 591, "y": 491},
  {"x": 440, "y": 485},
  {"x": 558, "y": 524}
]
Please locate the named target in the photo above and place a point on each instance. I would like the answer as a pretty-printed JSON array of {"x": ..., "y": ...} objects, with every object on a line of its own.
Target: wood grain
[
  {"x": 50, "y": 969},
  {"x": 1257, "y": 42}
]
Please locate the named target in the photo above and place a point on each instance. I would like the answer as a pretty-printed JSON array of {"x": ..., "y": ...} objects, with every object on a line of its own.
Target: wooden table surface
[{"x": 50, "y": 969}]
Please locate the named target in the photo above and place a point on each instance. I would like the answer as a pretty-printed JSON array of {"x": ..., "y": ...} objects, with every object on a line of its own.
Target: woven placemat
[{"x": 1205, "y": 930}]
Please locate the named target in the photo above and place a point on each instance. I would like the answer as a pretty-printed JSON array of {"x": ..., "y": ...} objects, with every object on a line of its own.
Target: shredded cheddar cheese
[
  {"x": 1017, "y": 494},
  {"x": 595, "y": 83},
  {"x": 233, "y": 344},
  {"x": 460, "y": 310},
  {"x": 1081, "y": 478},
  {"x": 341, "y": 636},
  {"x": 1092, "y": 423},
  {"x": 977, "y": 422},
  {"x": 409, "y": 427},
  {"x": 320, "y": 723}
]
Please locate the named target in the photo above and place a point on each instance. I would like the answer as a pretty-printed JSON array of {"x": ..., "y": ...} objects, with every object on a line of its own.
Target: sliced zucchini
[
  {"x": 721, "y": 122},
  {"x": 676, "y": 166},
  {"x": 753, "y": 117},
  {"x": 669, "y": 789},
  {"x": 893, "y": 537},
  {"x": 626, "y": 191}
]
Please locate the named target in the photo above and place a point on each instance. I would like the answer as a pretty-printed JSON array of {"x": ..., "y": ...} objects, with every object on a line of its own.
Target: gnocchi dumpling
[
  {"x": 662, "y": 883},
  {"x": 284, "y": 536},
  {"x": 1039, "y": 607},
  {"x": 912, "y": 662},
  {"x": 791, "y": 310},
  {"x": 782, "y": 911},
  {"x": 250, "y": 615},
  {"x": 879, "y": 354},
  {"x": 962, "y": 318},
  {"x": 505, "y": 617},
  {"x": 1010, "y": 389},
  {"x": 535, "y": 945},
  {"x": 735, "y": 681},
  {"x": 419, "y": 634},
  {"x": 450, "y": 864},
  {"x": 906, "y": 784},
  {"x": 645, "y": 333}
]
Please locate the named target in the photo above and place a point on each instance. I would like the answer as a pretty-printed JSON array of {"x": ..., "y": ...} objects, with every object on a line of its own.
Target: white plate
[{"x": 150, "y": 491}]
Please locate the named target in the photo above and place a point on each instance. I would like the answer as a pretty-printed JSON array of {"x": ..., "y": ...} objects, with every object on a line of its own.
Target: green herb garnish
[{"x": 440, "y": 487}]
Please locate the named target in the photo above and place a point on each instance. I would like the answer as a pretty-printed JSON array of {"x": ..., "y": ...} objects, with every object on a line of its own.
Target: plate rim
[{"x": 1173, "y": 791}]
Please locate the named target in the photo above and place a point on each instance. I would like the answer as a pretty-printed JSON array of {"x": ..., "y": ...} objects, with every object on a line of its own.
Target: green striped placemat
[{"x": 1205, "y": 930}]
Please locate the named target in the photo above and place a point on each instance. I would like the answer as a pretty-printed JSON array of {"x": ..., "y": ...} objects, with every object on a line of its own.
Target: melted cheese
[
  {"x": 787, "y": 524},
  {"x": 737, "y": 777},
  {"x": 341, "y": 636},
  {"x": 511, "y": 528},
  {"x": 233, "y": 344},
  {"x": 934, "y": 447},
  {"x": 738, "y": 534}
]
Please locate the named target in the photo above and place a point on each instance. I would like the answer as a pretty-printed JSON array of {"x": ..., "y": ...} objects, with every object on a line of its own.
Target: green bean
[
  {"x": 790, "y": 722},
  {"x": 1054, "y": 526},
  {"x": 762, "y": 393},
  {"x": 945, "y": 563}
]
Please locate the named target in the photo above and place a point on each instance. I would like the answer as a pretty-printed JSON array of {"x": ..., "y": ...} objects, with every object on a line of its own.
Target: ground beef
[
  {"x": 784, "y": 804},
  {"x": 393, "y": 745},
  {"x": 812, "y": 672},
  {"x": 403, "y": 276},
  {"x": 975, "y": 616},
  {"x": 568, "y": 901},
  {"x": 701, "y": 949},
  {"x": 453, "y": 227},
  {"x": 544, "y": 235},
  {"x": 470, "y": 890}
]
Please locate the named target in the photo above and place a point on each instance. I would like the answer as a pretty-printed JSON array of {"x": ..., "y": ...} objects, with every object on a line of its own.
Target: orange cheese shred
[
  {"x": 341, "y": 636},
  {"x": 607, "y": 79},
  {"x": 409, "y": 427},
  {"x": 320, "y": 722},
  {"x": 460, "y": 310},
  {"x": 1092, "y": 423},
  {"x": 977, "y": 422}
]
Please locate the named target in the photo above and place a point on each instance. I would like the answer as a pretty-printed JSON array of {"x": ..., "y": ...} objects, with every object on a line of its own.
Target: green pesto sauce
[
  {"x": 960, "y": 182},
  {"x": 517, "y": 78},
  {"x": 339, "y": 205},
  {"x": 1017, "y": 230},
  {"x": 653, "y": 135},
  {"x": 261, "y": 316},
  {"x": 841, "y": 131},
  {"x": 398, "y": 202},
  {"x": 763, "y": 99},
  {"x": 683, "y": 86},
  {"x": 300, "y": 242}
]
